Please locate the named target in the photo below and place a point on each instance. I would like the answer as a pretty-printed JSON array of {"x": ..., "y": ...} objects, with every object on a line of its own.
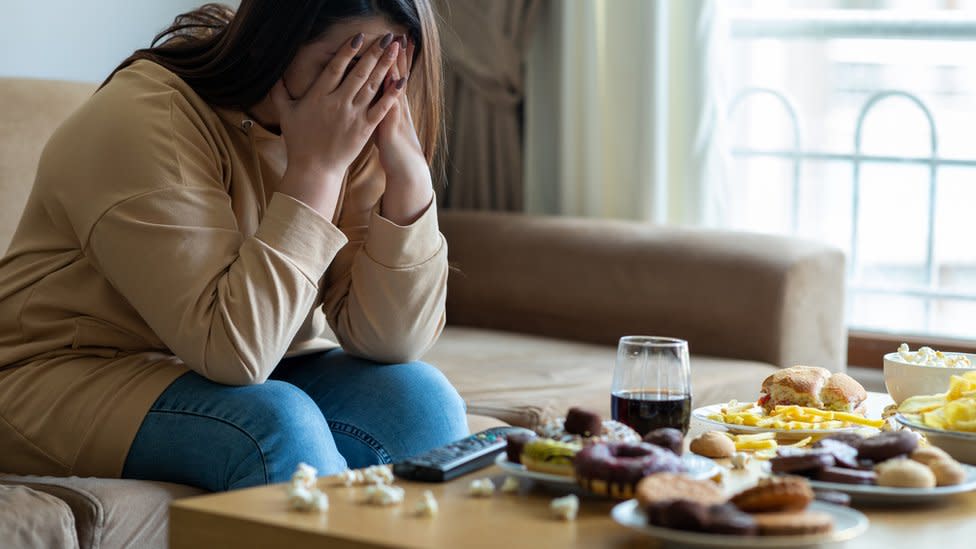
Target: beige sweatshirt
[{"x": 153, "y": 243}]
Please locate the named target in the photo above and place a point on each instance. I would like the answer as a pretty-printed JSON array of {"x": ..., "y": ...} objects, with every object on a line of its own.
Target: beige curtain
[{"x": 484, "y": 48}]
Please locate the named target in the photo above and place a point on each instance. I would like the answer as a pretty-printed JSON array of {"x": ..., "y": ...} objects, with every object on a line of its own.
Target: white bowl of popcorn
[{"x": 923, "y": 372}]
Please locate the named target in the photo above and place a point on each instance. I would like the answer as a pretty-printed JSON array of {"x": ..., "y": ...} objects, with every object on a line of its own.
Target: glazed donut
[
  {"x": 610, "y": 431},
  {"x": 614, "y": 469}
]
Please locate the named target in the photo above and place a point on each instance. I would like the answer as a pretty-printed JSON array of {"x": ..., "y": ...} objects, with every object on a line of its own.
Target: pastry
[
  {"x": 904, "y": 473},
  {"x": 713, "y": 444},
  {"x": 888, "y": 445},
  {"x": 514, "y": 445},
  {"x": 667, "y": 437},
  {"x": 947, "y": 472},
  {"x": 814, "y": 387},
  {"x": 774, "y": 494},
  {"x": 928, "y": 454},
  {"x": 549, "y": 456},
  {"x": 800, "y": 462},
  {"x": 614, "y": 469},
  {"x": 831, "y": 496},
  {"x": 663, "y": 487},
  {"x": 583, "y": 422},
  {"x": 793, "y": 523},
  {"x": 842, "y": 475}
]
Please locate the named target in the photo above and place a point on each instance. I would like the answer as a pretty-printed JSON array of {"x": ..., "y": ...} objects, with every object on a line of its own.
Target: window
[{"x": 854, "y": 123}]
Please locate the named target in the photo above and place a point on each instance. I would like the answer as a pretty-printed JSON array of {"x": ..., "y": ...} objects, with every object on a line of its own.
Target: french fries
[{"x": 790, "y": 418}]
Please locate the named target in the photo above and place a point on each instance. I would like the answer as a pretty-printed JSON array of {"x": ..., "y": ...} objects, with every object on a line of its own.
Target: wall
[{"x": 79, "y": 39}]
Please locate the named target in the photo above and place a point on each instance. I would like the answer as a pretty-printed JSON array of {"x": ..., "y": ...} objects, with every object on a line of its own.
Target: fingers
[
  {"x": 382, "y": 53},
  {"x": 331, "y": 77},
  {"x": 280, "y": 97},
  {"x": 392, "y": 93},
  {"x": 403, "y": 66},
  {"x": 411, "y": 49},
  {"x": 373, "y": 85}
]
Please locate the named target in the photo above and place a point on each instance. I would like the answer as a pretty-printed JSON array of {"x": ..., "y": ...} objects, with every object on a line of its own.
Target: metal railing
[{"x": 824, "y": 25}]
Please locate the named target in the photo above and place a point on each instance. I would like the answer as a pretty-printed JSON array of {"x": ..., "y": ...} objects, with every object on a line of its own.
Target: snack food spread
[{"x": 813, "y": 387}]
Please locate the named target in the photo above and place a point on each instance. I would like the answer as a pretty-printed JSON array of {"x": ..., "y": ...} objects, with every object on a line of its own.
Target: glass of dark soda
[{"x": 652, "y": 383}]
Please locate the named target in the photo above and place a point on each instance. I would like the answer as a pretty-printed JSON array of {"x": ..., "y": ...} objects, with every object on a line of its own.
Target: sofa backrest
[{"x": 30, "y": 111}]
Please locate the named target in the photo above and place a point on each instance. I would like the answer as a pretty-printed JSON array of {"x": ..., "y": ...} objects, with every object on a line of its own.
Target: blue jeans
[{"x": 330, "y": 410}]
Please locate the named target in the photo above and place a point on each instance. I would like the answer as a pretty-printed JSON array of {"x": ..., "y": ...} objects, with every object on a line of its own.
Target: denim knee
[{"x": 289, "y": 428}]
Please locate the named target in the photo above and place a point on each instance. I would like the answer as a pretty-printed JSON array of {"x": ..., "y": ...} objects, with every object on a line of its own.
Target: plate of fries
[{"x": 790, "y": 422}]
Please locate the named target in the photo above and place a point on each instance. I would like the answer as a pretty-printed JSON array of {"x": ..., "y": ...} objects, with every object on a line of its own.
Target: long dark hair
[{"x": 233, "y": 59}]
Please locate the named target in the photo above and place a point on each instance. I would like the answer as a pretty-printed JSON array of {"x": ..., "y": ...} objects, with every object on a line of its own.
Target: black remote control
[{"x": 458, "y": 458}]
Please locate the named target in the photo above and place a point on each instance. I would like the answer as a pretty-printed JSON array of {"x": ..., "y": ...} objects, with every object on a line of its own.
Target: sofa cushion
[
  {"x": 519, "y": 378},
  {"x": 111, "y": 513},
  {"x": 32, "y": 518}
]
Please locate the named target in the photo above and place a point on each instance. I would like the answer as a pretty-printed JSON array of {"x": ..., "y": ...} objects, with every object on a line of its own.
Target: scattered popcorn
[
  {"x": 305, "y": 476},
  {"x": 302, "y": 499},
  {"x": 427, "y": 506},
  {"x": 511, "y": 485},
  {"x": 740, "y": 460},
  {"x": 926, "y": 356},
  {"x": 481, "y": 488},
  {"x": 303, "y": 492},
  {"x": 384, "y": 494},
  {"x": 565, "y": 508},
  {"x": 376, "y": 474}
]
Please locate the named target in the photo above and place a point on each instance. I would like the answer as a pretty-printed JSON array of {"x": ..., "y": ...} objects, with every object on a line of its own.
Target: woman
[{"x": 197, "y": 221}]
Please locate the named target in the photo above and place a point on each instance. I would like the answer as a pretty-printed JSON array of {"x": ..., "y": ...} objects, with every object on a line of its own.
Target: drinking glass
[{"x": 652, "y": 383}]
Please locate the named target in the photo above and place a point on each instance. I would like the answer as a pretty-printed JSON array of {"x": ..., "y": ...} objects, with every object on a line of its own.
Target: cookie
[
  {"x": 793, "y": 523},
  {"x": 888, "y": 445},
  {"x": 947, "y": 472},
  {"x": 661, "y": 487},
  {"x": 666, "y": 437},
  {"x": 679, "y": 514},
  {"x": 846, "y": 476},
  {"x": 844, "y": 454},
  {"x": 798, "y": 462},
  {"x": 926, "y": 455},
  {"x": 853, "y": 440},
  {"x": 774, "y": 494},
  {"x": 729, "y": 520},
  {"x": 713, "y": 444},
  {"x": 904, "y": 473}
]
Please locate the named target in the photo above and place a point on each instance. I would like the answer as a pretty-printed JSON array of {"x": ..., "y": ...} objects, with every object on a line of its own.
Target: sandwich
[{"x": 813, "y": 387}]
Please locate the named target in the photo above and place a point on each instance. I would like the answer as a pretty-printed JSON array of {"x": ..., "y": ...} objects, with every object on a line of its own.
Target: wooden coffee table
[{"x": 259, "y": 518}]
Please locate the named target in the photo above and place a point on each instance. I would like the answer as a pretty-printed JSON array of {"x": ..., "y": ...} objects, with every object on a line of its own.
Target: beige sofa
[{"x": 535, "y": 307}]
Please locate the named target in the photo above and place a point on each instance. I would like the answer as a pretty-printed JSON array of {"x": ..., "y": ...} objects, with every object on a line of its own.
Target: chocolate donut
[
  {"x": 846, "y": 476},
  {"x": 888, "y": 445},
  {"x": 515, "y": 443},
  {"x": 798, "y": 462},
  {"x": 580, "y": 421},
  {"x": 614, "y": 469},
  {"x": 666, "y": 437}
]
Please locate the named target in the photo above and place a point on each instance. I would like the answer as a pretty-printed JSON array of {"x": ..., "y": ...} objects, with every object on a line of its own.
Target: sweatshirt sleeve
[
  {"x": 228, "y": 304},
  {"x": 384, "y": 294}
]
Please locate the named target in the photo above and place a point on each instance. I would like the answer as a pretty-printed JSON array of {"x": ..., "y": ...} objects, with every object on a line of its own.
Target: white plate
[
  {"x": 701, "y": 414},
  {"x": 958, "y": 444},
  {"x": 699, "y": 467},
  {"x": 896, "y": 496},
  {"x": 848, "y": 524}
]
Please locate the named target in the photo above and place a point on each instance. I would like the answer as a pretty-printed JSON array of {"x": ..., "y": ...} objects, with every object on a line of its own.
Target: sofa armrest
[{"x": 746, "y": 296}]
